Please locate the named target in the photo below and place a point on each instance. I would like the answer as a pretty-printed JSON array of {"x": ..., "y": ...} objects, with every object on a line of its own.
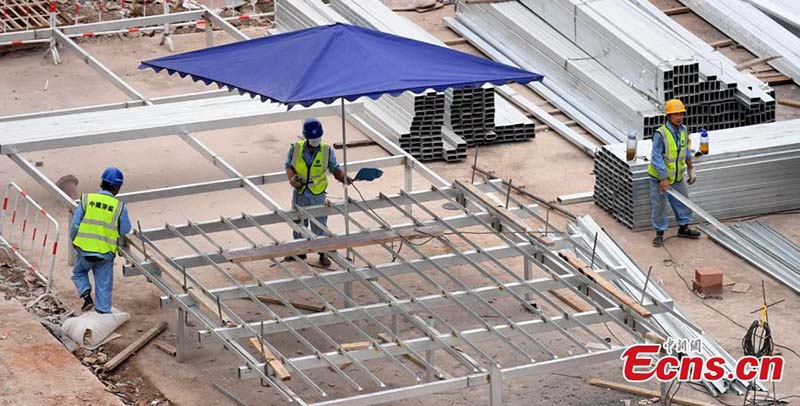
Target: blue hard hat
[
  {"x": 112, "y": 175},
  {"x": 312, "y": 128}
]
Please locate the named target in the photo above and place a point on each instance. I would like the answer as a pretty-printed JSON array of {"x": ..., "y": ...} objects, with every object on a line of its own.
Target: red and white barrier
[{"x": 25, "y": 231}]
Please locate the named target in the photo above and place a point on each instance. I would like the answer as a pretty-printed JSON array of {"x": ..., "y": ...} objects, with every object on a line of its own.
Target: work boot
[
  {"x": 324, "y": 260},
  {"x": 290, "y": 258},
  {"x": 88, "y": 303},
  {"x": 659, "y": 240},
  {"x": 686, "y": 232}
]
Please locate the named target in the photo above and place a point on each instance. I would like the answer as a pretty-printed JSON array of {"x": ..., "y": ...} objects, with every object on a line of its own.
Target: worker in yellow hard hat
[{"x": 669, "y": 159}]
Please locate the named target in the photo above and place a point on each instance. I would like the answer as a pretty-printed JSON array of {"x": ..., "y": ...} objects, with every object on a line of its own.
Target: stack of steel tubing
[
  {"x": 627, "y": 41},
  {"x": 471, "y": 114},
  {"x": 749, "y": 171},
  {"x": 571, "y": 73},
  {"x": 763, "y": 247},
  {"x": 600, "y": 248}
]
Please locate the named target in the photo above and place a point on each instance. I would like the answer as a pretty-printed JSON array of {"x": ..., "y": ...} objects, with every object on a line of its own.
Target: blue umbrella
[{"x": 338, "y": 61}]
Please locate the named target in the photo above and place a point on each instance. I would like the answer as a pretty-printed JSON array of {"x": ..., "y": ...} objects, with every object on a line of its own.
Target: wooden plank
[
  {"x": 302, "y": 306},
  {"x": 331, "y": 244},
  {"x": 140, "y": 342},
  {"x": 360, "y": 345},
  {"x": 722, "y": 43},
  {"x": 270, "y": 358},
  {"x": 501, "y": 212},
  {"x": 605, "y": 284},
  {"x": 166, "y": 348},
  {"x": 438, "y": 372},
  {"x": 790, "y": 103},
  {"x": 677, "y": 10},
  {"x": 456, "y": 41},
  {"x": 648, "y": 393},
  {"x": 654, "y": 337},
  {"x": 753, "y": 62},
  {"x": 355, "y": 144},
  {"x": 775, "y": 80},
  {"x": 570, "y": 299}
]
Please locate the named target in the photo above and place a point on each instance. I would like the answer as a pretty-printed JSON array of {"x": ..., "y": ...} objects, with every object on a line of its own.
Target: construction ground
[{"x": 547, "y": 166}]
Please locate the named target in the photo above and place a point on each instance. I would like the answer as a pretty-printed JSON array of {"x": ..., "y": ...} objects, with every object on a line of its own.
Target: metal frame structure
[{"x": 482, "y": 294}]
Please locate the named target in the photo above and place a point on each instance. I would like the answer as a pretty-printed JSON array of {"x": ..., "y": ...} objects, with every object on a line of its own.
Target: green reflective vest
[
  {"x": 316, "y": 180},
  {"x": 99, "y": 228},
  {"x": 674, "y": 155}
]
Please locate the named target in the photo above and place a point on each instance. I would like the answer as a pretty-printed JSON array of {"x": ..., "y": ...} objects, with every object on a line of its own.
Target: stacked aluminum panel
[
  {"x": 756, "y": 31},
  {"x": 763, "y": 247},
  {"x": 749, "y": 171},
  {"x": 625, "y": 39},
  {"x": 587, "y": 234},
  {"x": 469, "y": 113},
  {"x": 572, "y": 74},
  {"x": 782, "y": 11}
]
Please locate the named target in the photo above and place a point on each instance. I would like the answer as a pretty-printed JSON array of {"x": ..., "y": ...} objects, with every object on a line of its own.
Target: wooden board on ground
[
  {"x": 605, "y": 284},
  {"x": 302, "y": 306},
  {"x": 649, "y": 393},
  {"x": 330, "y": 244},
  {"x": 135, "y": 346},
  {"x": 570, "y": 299},
  {"x": 274, "y": 363}
]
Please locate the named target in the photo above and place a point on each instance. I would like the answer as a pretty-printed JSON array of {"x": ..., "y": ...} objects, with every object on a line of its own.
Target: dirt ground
[{"x": 548, "y": 166}]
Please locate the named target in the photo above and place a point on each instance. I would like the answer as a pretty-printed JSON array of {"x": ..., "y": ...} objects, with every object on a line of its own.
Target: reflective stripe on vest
[
  {"x": 674, "y": 155},
  {"x": 316, "y": 180},
  {"x": 99, "y": 228}
]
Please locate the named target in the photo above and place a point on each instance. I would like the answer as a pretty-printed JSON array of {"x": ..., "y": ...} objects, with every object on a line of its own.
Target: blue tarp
[{"x": 336, "y": 61}]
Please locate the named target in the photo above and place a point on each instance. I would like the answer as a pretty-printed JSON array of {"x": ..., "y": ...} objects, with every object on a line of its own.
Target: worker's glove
[
  {"x": 662, "y": 186},
  {"x": 296, "y": 181},
  {"x": 692, "y": 177}
]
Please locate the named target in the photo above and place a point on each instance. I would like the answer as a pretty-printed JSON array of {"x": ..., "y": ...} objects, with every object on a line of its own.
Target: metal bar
[
  {"x": 212, "y": 17},
  {"x": 44, "y": 181}
]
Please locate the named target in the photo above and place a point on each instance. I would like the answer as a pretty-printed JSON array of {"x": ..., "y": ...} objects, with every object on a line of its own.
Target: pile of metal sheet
[
  {"x": 755, "y": 30},
  {"x": 763, "y": 247},
  {"x": 607, "y": 254},
  {"x": 625, "y": 39},
  {"x": 782, "y": 11},
  {"x": 618, "y": 63},
  {"x": 749, "y": 171},
  {"x": 531, "y": 43}
]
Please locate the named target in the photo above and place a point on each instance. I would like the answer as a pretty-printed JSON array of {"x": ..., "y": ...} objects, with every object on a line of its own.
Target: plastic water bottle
[
  {"x": 704, "y": 142},
  {"x": 630, "y": 146}
]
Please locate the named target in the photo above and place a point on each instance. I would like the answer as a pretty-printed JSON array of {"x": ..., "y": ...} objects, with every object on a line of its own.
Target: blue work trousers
[
  {"x": 103, "y": 274},
  {"x": 307, "y": 199},
  {"x": 658, "y": 202}
]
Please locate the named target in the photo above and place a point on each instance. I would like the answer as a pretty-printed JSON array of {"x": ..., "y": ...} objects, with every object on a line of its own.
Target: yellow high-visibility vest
[
  {"x": 316, "y": 180},
  {"x": 674, "y": 155},
  {"x": 99, "y": 228}
]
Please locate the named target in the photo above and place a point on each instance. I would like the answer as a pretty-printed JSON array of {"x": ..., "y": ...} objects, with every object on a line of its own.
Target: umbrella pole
[{"x": 348, "y": 286}]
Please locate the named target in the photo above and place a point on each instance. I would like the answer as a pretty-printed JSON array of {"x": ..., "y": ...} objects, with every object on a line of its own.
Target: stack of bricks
[{"x": 707, "y": 281}]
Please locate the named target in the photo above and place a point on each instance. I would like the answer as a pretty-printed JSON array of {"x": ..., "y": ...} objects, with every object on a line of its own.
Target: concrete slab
[{"x": 35, "y": 369}]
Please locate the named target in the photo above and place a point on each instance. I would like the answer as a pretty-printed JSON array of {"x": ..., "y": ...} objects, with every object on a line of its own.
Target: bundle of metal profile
[
  {"x": 414, "y": 122},
  {"x": 470, "y": 113},
  {"x": 757, "y": 97},
  {"x": 756, "y": 31},
  {"x": 749, "y": 171},
  {"x": 782, "y": 11},
  {"x": 571, "y": 73},
  {"x": 625, "y": 40},
  {"x": 607, "y": 254},
  {"x": 763, "y": 247}
]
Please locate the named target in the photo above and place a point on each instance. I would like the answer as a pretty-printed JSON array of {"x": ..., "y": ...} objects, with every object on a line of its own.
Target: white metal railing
[{"x": 25, "y": 230}]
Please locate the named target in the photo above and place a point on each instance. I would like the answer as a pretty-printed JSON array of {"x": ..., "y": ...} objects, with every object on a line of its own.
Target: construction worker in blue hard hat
[
  {"x": 307, "y": 166},
  {"x": 670, "y": 158},
  {"x": 98, "y": 222}
]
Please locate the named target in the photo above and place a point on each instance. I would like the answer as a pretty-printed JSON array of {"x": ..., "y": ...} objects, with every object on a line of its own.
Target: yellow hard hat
[{"x": 674, "y": 106}]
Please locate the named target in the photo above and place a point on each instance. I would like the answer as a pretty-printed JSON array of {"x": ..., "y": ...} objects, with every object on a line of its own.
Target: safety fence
[{"x": 29, "y": 233}]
